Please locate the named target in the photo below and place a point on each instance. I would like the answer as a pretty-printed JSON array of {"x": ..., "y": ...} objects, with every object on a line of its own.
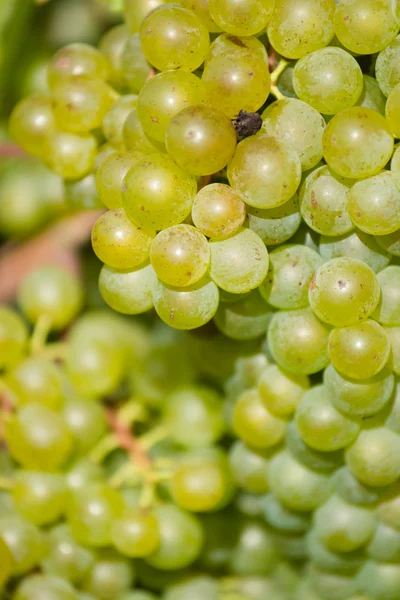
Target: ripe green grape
[
  {"x": 299, "y": 341},
  {"x": 82, "y": 473},
  {"x": 24, "y": 541},
  {"x": 135, "y": 11},
  {"x": 70, "y": 155},
  {"x": 264, "y": 171},
  {"x": 6, "y": 564},
  {"x": 13, "y": 337},
  {"x": 282, "y": 518},
  {"x": 201, "y": 8},
  {"x": 239, "y": 263},
  {"x": 387, "y": 67},
  {"x": 110, "y": 576},
  {"x": 118, "y": 242},
  {"x": 352, "y": 491},
  {"x": 135, "y": 533},
  {"x": 291, "y": 270},
  {"x": 187, "y": 308},
  {"x": 380, "y": 579},
  {"x": 365, "y": 26},
  {"x": 355, "y": 245},
  {"x": 180, "y": 255},
  {"x": 337, "y": 562},
  {"x": 275, "y": 225},
  {"x": 173, "y": 37},
  {"x": 334, "y": 586},
  {"x": 112, "y": 45},
  {"x": 236, "y": 80},
  {"x": 390, "y": 243},
  {"x": 357, "y": 143},
  {"x": 246, "y": 319},
  {"x": 281, "y": 391},
  {"x": 227, "y": 42},
  {"x": 135, "y": 139},
  {"x": 36, "y": 379},
  {"x": 128, "y": 292},
  {"x": 39, "y": 497},
  {"x": 110, "y": 176},
  {"x": 300, "y": 27},
  {"x": 388, "y": 509},
  {"x": 385, "y": 544},
  {"x": 165, "y": 95},
  {"x": 330, "y": 80},
  {"x": 249, "y": 468},
  {"x": 157, "y": 193},
  {"x": 241, "y": 18},
  {"x": 394, "y": 338},
  {"x": 134, "y": 65},
  {"x": 372, "y": 96},
  {"x": 86, "y": 422},
  {"x": 37, "y": 587},
  {"x": 201, "y": 139},
  {"x": 82, "y": 194},
  {"x": 114, "y": 120},
  {"x": 300, "y": 125},
  {"x": 388, "y": 311},
  {"x": 32, "y": 123},
  {"x": 65, "y": 557},
  {"x": 218, "y": 211},
  {"x": 392, "y": 111},
  {"x": 76, "y": 60}
]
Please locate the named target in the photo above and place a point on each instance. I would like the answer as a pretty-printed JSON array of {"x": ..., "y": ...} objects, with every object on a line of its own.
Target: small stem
[
  {"x": 105, "y": 446},
  {"x": 127, "y": 440},
  {"x": 131, "y": 412},
  {"x": 127, "y": 472},
  {"x": 40, "y": 333},
  {"x": 153, "y": 437},
  {"x": 278, "y": 71},
  {"x": 55, "y": 351},
  {"x": 277, "y": 93},
  {"x": 148, "y": 494}
]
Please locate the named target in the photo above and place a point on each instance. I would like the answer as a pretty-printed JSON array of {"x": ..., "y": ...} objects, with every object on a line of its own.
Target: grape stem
[
  {"x": 40, "y": 334},
  {"x": 276, "y": 73},
  {"x": 127, "y": 441}
]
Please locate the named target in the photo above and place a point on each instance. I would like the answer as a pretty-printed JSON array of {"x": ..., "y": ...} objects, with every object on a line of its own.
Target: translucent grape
[
  {"x": 275, "y": 225},
  {"x": 227, "y": 42},
  {"x": 128, "y": 292},
  {"x": 76, "y": 60},
  {"x": 135, "y": 139},
  {"x": 135, "y": 11},
  {"x": 387, "y": 66},
  {"x": 337, "y": 562},
  {"x": 24, "y": 541},
  {"x": 388, "y": 311},
  {"x": 112, "y": 45},
  {"x": 389, "y": 243},
  {"x": 385, "y": 544},
  {"x": 134, "y": 65},
  {"x": 264, "y": 171},
  {"x": 334, "y": 586},
  {"x": 82, "y": 473},
  {"x": 389, "y": 508},
  {"x": 32, "y": 123},
  {"x": 249, "y": 468},
  {"x": 241, "y": 18},
  {"x": 218, "y": 211},
  {"x": 65, "y": 557},
  {"x": 394, "y": 338},
  {"x": 352, "y": 491},
  {"x": 37, "y": 587},
  {"x": 173, "y": 37},
  {"x": 371, "y": 96},
  {"x": 82, "y": 193},
  {"x": 86, "y": 422},
  {"x": 201, "y": 8},
  {"x": 380, "y": 579},
  {"x": 254, "y": 424},
  {"x": 110, "y": 176},
  {"x": 115, "y": 118},
  {"x": 324, "y": 462},
  {"x": 244, "y": 320},
  {"x": 13, "y": 337},
  {"x": 135, "y": 533},
  {"x": 39, "y": 497},
  {"x": 282, "y": 518},
  {"x": 36, "y": 379},
  {"x": 281, "y": 391},
  {"x": 70, "y": 155},
  {"x": 392, "y": 111},
  {"x": 110, "y": 576},
  {"x": 201, "y": 139},
  {"x": 357, "y": 245}
]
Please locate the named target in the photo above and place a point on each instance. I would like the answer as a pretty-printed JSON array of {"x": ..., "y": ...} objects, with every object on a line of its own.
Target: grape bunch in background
[{"x": 246, "y": 154}]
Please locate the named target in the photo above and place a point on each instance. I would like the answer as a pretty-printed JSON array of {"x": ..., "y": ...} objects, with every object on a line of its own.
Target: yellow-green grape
[
  {"x": 135, "y": 533},
  {"x": 112, "y": 45},
  {"x": 392, "y": 111},
  {"x": 186, "y": 308},
  {"x": 357, "y": 143},
  {"x": 135, "y": 139},
  {"x": 77, "y": 60},
  {"x": 389, "y": 508},
  {"x": 157, "y": 193},
  {"x": 335, "y": 586},
  {"x": 201, "y": 139},
  {"x": 39, "y": 497},
  {"x": 392, "y": 420},
  {"x": 275, "y": 225},
  {"x": 86, "y": 421},
  {"x": 110, "y": 576},
  {"x": 363, "y": 397},
  {"x": 390, "y": 243},
  {"x": 241, "y": 18},
  {"x": 299, "y": 125},
  {"x": 358, "y": 245},
  {"x": 374, "y": 458},
  {"x": 35, "y": 587},
  {"x": 6, "y": 563},
  {"x": 13, "y": 337},
  {"x": 281, "y": 391},
  {"x": 201, "y": 8},
  {"x": 173, "y": 37},
  {"x": 36, "y": 379},
  {"x": 264, "y": 171},
  {"x": 32, "y": 123},
  {"x": 255, "y": 554},
  {"x": 321, "y": 425},
  {"x": 134, "y": 65},
  {"x": 387, "y": 66},
  {"x": 385, "y": 544},
  {"x": 113, "y": 122},
  {"x": 227, "y": 42},
  {"x": 249, "y": 468},
  {"x": 111, "y": 174},
  {"x": 255, "y": 424},
  {"x": 218, "y": 211},
  {"x": 395, "y": 166},
  {"x": 336, "y": 562},
  {"x": 236, "y": 80},
  {"x": 102, "y": 153},
  {"x": 81, "y": 194},
  {"x": 330, "y": 80},
  {"x": 394, "y": 338},
  {"x": 359, "y": 351},
  {"x": 373, "y": 204},
  {"x": 343, "y": 527},
  {"x": 352, "y": 491},
  {"x": 296, "y": 486},
  {"x": 365, "y": 26},
  {"x": 388, "y": 311},
  {"x": 128, "y": 292},
  {"x": 246, "y": 319},
  {"x": 118, "y": 242},
  {"x": 70, "y": 155},
  {"x": 135, "y": 11},
  {"x": 298, "y": 27},
  {"x": 344, "y": 291},
  {"x": 379, "y": 580},
  {"x": 291, "y": 270},
  {"x": 239, "y": 263},
  {"x": 281, "y": 518},
  {"x": 299, "y": 341},
  {"x": 372, "y": 96},
  {"x": 24, "y": 542}
]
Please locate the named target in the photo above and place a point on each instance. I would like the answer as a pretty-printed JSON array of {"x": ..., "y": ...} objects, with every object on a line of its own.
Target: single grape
[
  {"x": 337, "y": 562},
  {"x": 36, "y": 379},
  {"x": 135, "y": 533},
  {"x": 334, "y": 586},
  {"x": 388, "y": 311},
  {"x": 282, "y": 518},
  {"x": 65, "y": 557},
  {"x": 39, "y": 497},
  {"x": 352, "y": 491},
  {"x": 128, "y": 292},
  {"x": 110, "y": 176},
  {"x": 275, "y": 225},
  {"x": 201, "y": 8},
  {"x": 379, "y": 579},
  {"x": 13, "y": 337},
  {"x": 82, "y": 194},
  {"x": 227, "y": 42},
  {"x": 37, "y": 587},
  {"x": 244, "y": 320},
  {"x": 114, "y": 120},
  {"x": 281, "y": 391},
  {"x": 32, "y": 124},
  {"x": 110, "y": 576},
  {"x": 112, "y": 46},
  {"x": 86, "y": 422},
  {"x": 82, "y": 473},
  {"x": 249, "y": 468},
  {"x": 24, "y": 541},
  {"x": 194, "y": 587},
  {"x": 135, "y": 140},
  {"x": 372, "y": 96},
  {"x": 255, "y": 552},
  {"x": 241, "y": 18},
  {"x": 355, "y": 245},
  {"x": 76, "y": 60},
  {"x": 387, "y": 66},
  {"x": 70, "y": 155},
  {"x": 134, "y": 65},
  {"x": 385, "y": 544},
  {"x": 218, "y": 211},
  {"x": 135, "y": 11}
]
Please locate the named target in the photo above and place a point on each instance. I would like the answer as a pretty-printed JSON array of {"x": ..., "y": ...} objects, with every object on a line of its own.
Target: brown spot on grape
[{"x": 313, "y": 200}]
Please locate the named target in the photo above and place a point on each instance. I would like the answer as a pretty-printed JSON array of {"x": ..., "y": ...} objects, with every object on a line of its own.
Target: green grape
[
  {"x": 32, "y": 123},
  {"x": 6, "y": 563},
  {"x": 240, "y": 263},
  {"x": 264, "y": 171},
  {"x": 24, "y": 541},
  {"x": 387, "y": 66},
  {"x": 359, "y": 397},
  {"x": 388, "y": 311},
  {"x": 218, "y": 211},
  {"x": 282, "y": 518},
  {"x": 241, "y": 18},
  {"x": 137, "y": 595},
  {"x": 296, "y": 486},
  {"x": 394, "y": 338},
  {"x": 355, "y": 245},
  {"x": 372, "y": 96},
  {"x": 70, "y": 155},
  {"x": 201, "y": 8},
  {"x": 275, "y": 225},
  {"x": 255, "y": 552},
  {"x": 173, "y": 37},
  {"x": 357, "y": 143},
  {"x": 110, "y": 176},
  {"x": 86, "y": 422},
  {"x": 105, "y": 150},
  {"x": 280, "y": 391},
  {"x": 186, "y": 308},
  {"x": 385, "y": 544},
  {"x": 301, "y": 26},
  {"x": 227, "y": 42},
  {"x": 330, "y": 80},
  {"x": 388, "y": 509},
  {"x": 157, "y": 193},
  {"x": 249, "y": 468},
  {"x": 135, "y": 11},
  {"x": 135, "y": 139},
  {"x": 337, "y": 562},
  {"x": 180, "y": 255},
  {"x": 344, "y": 291},
  {"x": 110, "y": 576},
  {"x": 332, "y": 586},
  {"x": 13, "y": 337},
  {"x": 65, "y": 557},
  {"x": 113, "y": 122},
  {"x": 299, "y": 341},
  {"x": 323, "y": 202},
  {"x": 291, "y": 270},
  {"x": 39, "y": 497},
  {"x": 82, "y": 194},
  {"x": 390, "y": 243},
  {"x": 299, "y": 125},
  {"x": 359, "y": 351},
  {"x": 236, "y": 80},
  {"x": 112, "y": 45},
  {"x": 374, "y": 458},
  {"x": 50, "y": 292},
  {"x": 128, "y": 292},
  {"x": 380, "y": 579},
  {"x": 118, "y": 242},
  {"x": 165, "y": 95},
  {"x": 38, "y": 438},
  {"x": 77, "y": 60},
  {"x": 135, "y": 533},
  {"x": 365, "y": 26},
  {"x": 193, "y": 416},
  {"x": 36, "y": 379},
  {"x": 395, "y": 166},
  {"x": 352, "y": 491},
  {"x": 134, "y": 65},
  {"x": 181, "y": 538},
  {"x": 38, "y": 587},
  {"x": 247, "y": 319},
  {"x": 201, "y": 139},
  {"x": 321, "y": 425},
  {"x": 82, "y": 473},
  {"x": 373, "y": 204},
  {"x": 193, "y": 587},
  {"x": 255, "y": 424}
]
